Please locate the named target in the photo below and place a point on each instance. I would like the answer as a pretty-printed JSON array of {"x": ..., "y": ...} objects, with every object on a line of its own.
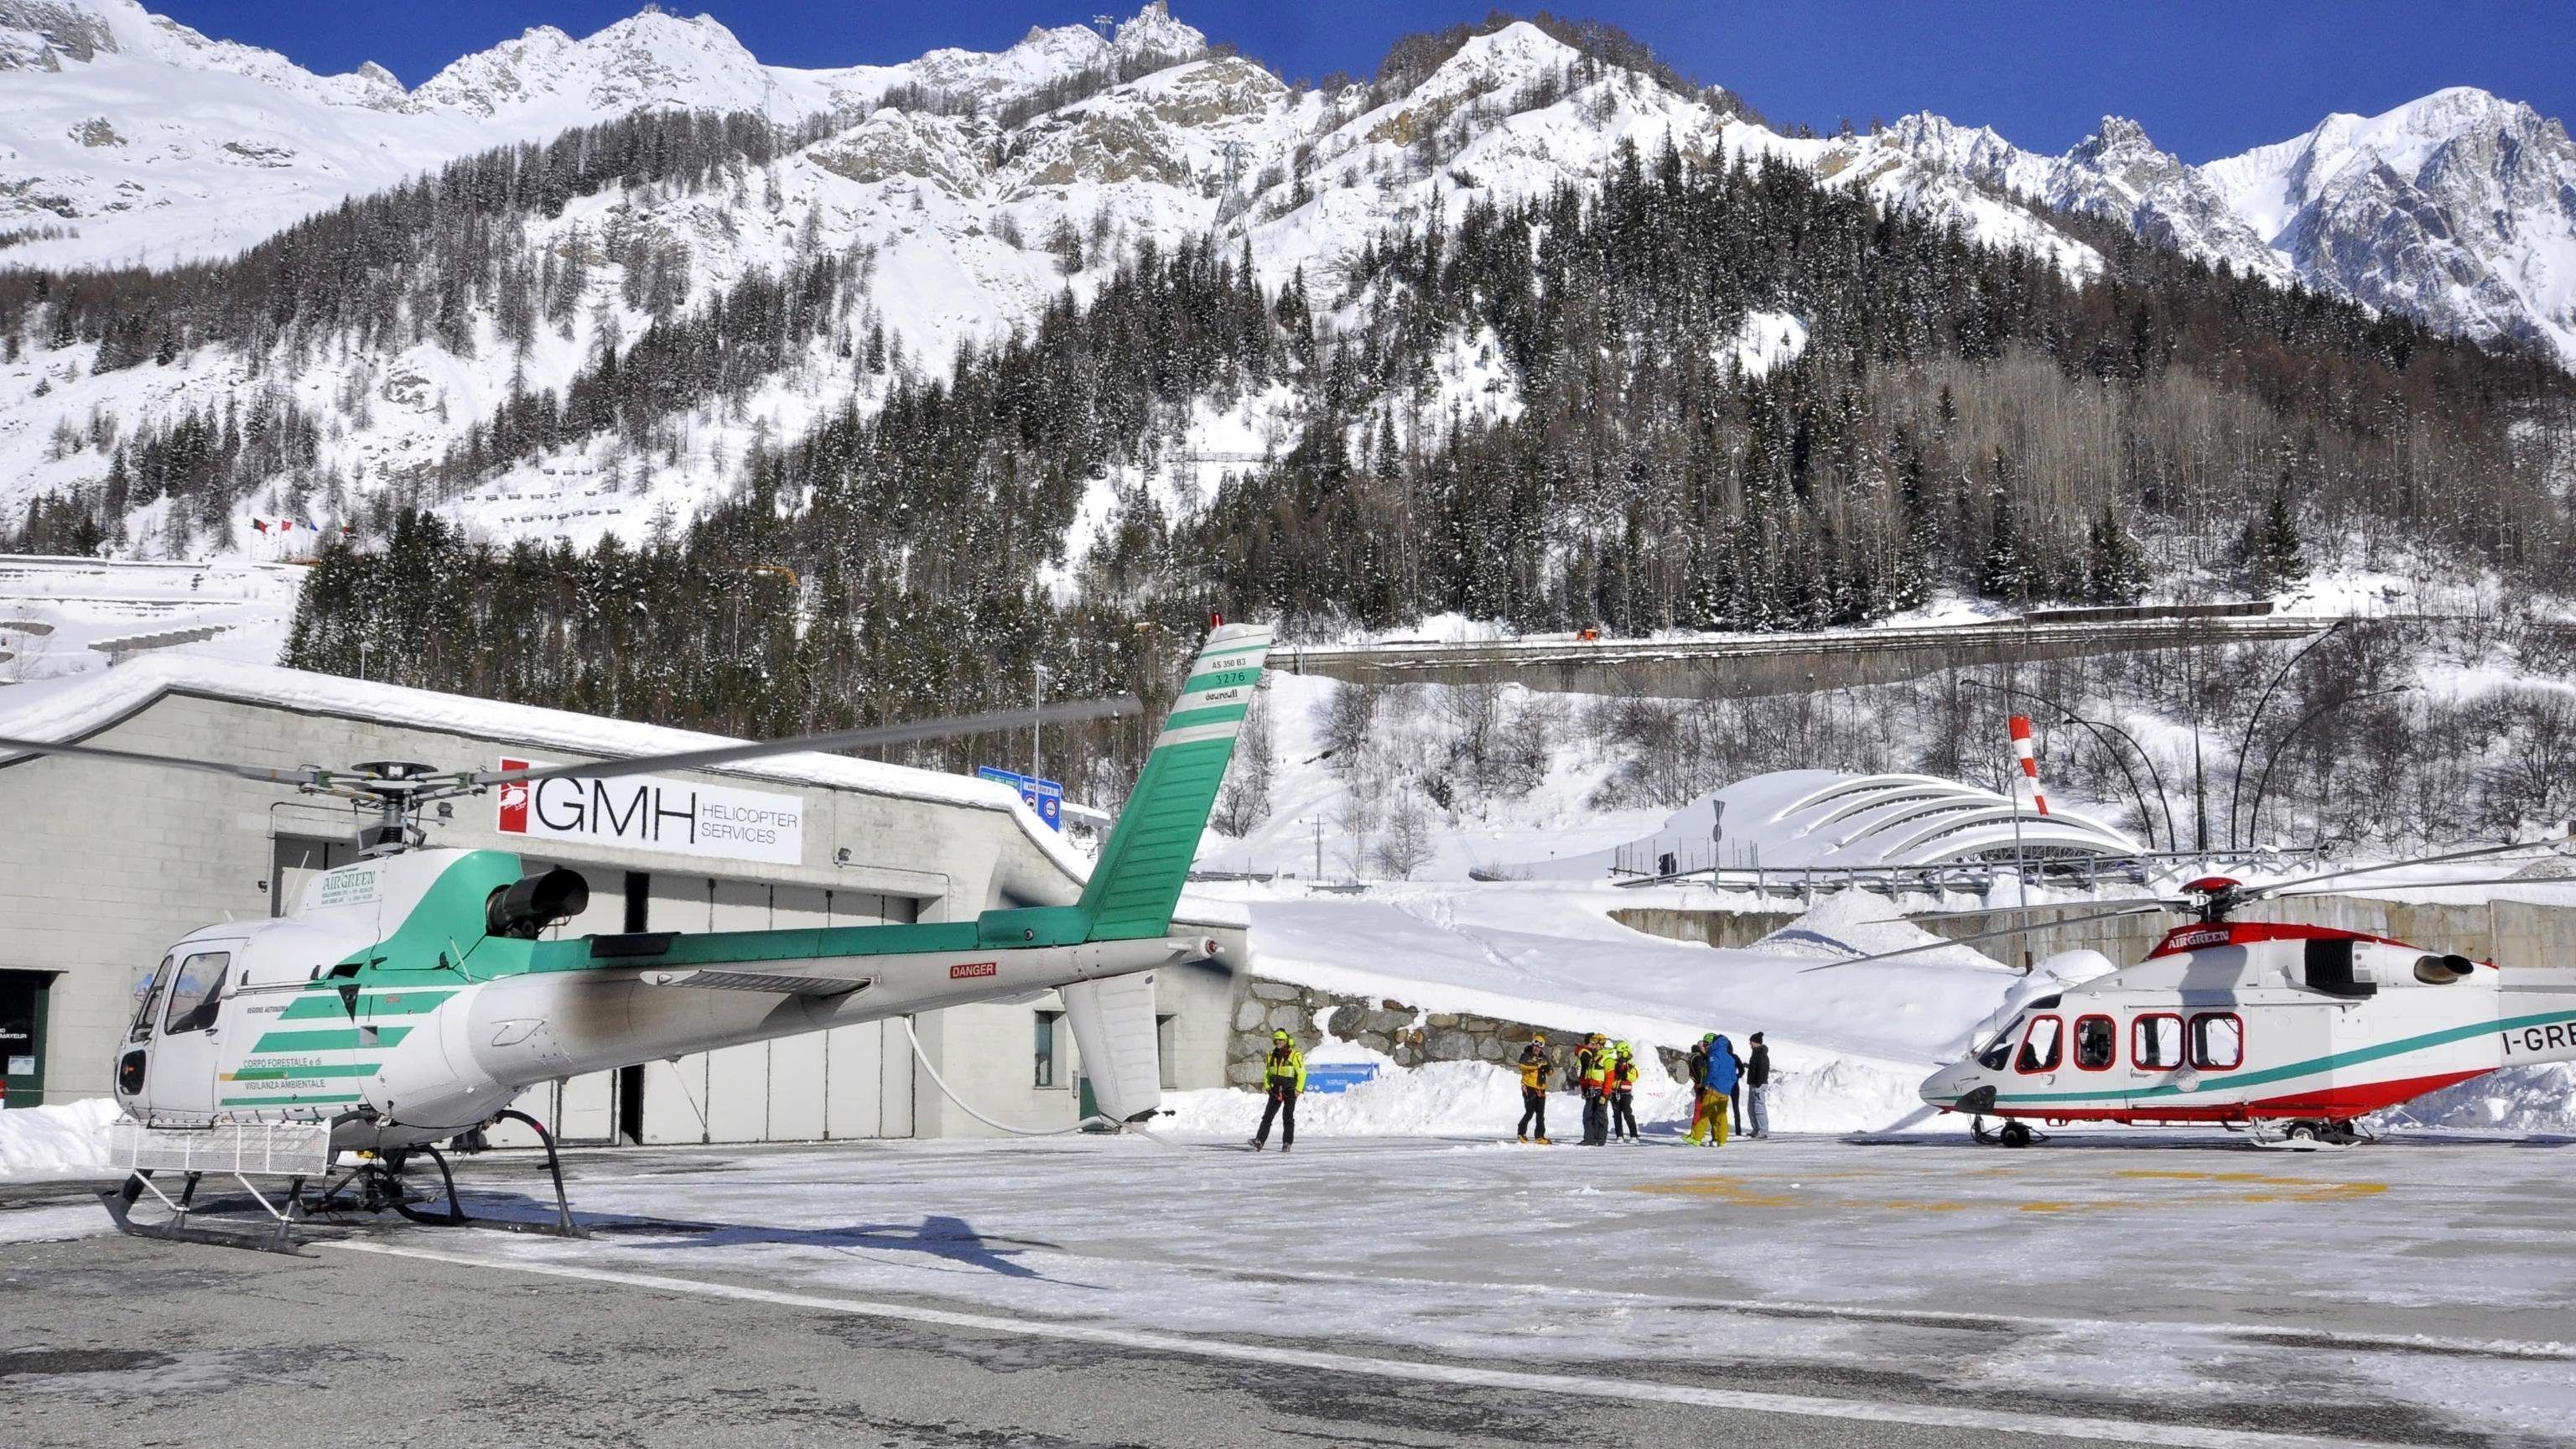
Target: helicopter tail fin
[{"x": 1137, "y": 883}]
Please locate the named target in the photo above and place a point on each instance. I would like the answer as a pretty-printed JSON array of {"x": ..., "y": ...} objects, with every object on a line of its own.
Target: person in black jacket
[{"x": 1757, "y": 1086}]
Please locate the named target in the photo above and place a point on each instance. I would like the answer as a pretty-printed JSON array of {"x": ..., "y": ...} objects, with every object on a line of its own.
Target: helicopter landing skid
[
  {"x": 379, "y": 1185},
  {"x": 276, "y": 1236}
]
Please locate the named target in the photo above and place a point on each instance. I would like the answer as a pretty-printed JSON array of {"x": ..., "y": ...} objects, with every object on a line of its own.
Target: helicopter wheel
[
  {"x": 2014, "y": 1134},
  {"x": 2300, "y": 1132}
]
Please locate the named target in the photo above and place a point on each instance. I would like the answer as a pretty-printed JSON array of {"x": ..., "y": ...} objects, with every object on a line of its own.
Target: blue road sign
[
  {"x": 1046, "y": 797},
  {"x": 1329, "y": 1077}
]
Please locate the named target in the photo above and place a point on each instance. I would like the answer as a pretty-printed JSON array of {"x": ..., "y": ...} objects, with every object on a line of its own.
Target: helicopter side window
[
  {"x": 2218, "y": 1041},
  {"x": 148, "y": 1000},
  {"x": 2041, "y": 1045},
  {"x": 2155, "y": 1042},
  {"x": 197, "y": 992},
  {"x": 2097, "y": 1043}
]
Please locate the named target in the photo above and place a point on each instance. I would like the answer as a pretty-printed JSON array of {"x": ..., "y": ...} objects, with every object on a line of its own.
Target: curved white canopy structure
[{"x": 1794, "y": 818}]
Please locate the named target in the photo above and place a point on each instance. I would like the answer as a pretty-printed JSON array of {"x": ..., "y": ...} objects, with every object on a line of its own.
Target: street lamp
[
  {"x": 2245, "y": 742},
  {"x": 2263, "y": 785},
  {"x": 1038, "y": 673}
]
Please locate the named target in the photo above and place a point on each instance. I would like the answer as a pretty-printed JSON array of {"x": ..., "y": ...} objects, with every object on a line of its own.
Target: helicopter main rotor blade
[
  {"x": 2443, "y": 885},
  {"x": 305, "y": 776},
  {"x": 2135, "y": 910},
  {"x": 928, "y": 729},
  {"x": 2258, "y": 892}
]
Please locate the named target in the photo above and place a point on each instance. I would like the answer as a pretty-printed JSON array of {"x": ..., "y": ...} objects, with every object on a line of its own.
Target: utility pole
[
  {"x": 1319, "y": 849},
  {"x": 1037, "y": 707}
]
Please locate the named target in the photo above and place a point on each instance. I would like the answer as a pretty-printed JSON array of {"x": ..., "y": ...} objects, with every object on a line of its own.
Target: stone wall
[{"x": 1410, "y": 1035}]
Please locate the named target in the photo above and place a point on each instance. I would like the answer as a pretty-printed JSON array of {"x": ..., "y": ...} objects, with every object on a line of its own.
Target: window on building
[
  {"x": 1049, "y": 1067},
  {"x": 2217, "y": 1041},
  {"x": 2041, "y": 1045},
  {"x": 196, "y": 993},
  {"x": 1163, "y": 1041},
  {"x": 2155, "y": 1043},
  {"x": 2097, "y": 1042},
  {"x": 147, "y": 996}
]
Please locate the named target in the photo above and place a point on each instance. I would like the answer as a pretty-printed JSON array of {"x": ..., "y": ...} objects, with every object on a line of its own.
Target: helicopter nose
[{"x": 1941, "y": 1089}]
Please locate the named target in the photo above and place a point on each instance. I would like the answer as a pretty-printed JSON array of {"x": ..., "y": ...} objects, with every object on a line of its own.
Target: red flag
[{"x": 262, "y": 527}]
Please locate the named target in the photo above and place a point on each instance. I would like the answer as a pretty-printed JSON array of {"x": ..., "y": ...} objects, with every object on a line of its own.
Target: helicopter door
[{"x": 184, "y": 1058}]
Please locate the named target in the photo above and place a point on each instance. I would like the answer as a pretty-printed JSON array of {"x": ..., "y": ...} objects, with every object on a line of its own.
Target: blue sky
[{"x": 2206, "y": 78}]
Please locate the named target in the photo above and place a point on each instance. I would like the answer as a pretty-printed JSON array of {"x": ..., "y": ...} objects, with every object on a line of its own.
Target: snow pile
[
  {"x": 2519, "y": 1100},
  {"x": 1852, "y": 923},
  {"x": 1439, "y": 1100},
  {"x": 65, "y": 1141}
]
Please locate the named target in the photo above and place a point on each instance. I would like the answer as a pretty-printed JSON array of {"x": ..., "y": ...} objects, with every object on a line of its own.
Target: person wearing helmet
[
  {"x": 1534, "y": 1068},
  {"x": 1592, "y": 1073},
  {"x": 1283, "y": 1076},
  {"x": 1623, "y": 1093}
]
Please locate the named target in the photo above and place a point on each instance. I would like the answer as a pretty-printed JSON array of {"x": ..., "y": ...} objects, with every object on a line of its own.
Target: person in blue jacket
[{"x": 1716, "y": 1085}]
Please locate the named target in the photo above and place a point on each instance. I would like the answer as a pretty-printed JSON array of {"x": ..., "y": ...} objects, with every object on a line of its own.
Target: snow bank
[
  {"x": 65, "y": 1141},
  {"x": 2519, "y": 1100}
]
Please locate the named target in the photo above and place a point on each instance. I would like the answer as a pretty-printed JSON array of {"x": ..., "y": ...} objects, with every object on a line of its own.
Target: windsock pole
[{"x": 2020, "y": 725}]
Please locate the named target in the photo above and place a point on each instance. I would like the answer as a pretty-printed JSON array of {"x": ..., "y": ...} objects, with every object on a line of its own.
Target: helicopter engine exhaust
[{"x": 520, "y": 911}]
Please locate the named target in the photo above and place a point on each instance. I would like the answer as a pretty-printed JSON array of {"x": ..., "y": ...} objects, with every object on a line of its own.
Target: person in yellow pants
[{"x": 1713, "y": 1061}]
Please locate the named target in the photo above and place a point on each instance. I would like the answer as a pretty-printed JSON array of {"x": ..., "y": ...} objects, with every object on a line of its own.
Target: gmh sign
[{"x": 647, "y": 812}]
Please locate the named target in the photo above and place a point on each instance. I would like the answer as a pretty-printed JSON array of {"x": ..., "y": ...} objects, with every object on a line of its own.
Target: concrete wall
[
  {"x": 1787, "y": 664},
  {"x": 2507, "y": 932},
  {"x": 102, "y": 864}
]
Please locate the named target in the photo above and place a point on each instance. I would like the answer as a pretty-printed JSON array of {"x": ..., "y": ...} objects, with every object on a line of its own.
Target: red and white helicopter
[{"x": 2288, "y": 1030}]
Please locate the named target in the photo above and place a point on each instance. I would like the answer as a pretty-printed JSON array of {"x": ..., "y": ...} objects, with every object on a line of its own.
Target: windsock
[{"x": 2029, "y": 763}]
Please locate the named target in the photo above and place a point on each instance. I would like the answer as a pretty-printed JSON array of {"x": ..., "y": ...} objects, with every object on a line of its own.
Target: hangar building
[{"x": 104, "y": 863}]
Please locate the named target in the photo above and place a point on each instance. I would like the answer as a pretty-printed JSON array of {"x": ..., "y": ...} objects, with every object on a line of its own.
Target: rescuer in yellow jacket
[
  {"x": 1534, "y": 1070},
  {"x": 1592, "y": 1071},
  {"x": 1283, "y": 1076}
]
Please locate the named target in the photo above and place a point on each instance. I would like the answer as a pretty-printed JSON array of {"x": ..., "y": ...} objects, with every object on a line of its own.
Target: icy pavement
[{"x": 2422, "y": 1291}]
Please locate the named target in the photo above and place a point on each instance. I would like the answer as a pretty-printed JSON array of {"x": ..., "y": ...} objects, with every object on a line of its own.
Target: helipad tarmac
[{"x": 2118, "y": 1288}]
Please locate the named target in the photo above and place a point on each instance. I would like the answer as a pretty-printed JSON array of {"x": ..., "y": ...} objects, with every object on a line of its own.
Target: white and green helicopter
[{"x": 408, "y": 1000}]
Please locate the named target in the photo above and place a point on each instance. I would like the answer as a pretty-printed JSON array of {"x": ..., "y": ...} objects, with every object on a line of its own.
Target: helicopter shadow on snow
[{"x": 950, "y": 1239}]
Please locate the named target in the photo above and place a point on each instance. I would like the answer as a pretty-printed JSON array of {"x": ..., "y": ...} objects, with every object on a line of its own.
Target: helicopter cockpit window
[
  {"x": 197, "y": 992},
  {"x": 147, "y": 998},
  {"x": 2155, "y": 1042},
  {"x": 2217, "y": 1041},
  {"x": 1998, "y": 1052},
  {"x": 2040, "y": 1045},
  {"x": 2097, "y": 1042}
]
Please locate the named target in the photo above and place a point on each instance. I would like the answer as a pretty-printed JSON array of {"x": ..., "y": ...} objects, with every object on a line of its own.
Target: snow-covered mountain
[
  {"x": 973, "y": 205},
  {"x": 132, "y": 138},
  {"x": 2458, "y": 209}
]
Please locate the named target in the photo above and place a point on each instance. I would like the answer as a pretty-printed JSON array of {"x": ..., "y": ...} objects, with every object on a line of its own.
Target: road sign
[{"x": 1046, "y": 797}]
